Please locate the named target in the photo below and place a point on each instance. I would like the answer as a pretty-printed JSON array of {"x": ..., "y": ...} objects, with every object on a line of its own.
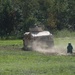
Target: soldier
[{"x": 69, "y": 48}]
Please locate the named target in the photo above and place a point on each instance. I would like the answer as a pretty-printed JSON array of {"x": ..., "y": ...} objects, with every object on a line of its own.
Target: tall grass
[{"x": 64, "y": 33}]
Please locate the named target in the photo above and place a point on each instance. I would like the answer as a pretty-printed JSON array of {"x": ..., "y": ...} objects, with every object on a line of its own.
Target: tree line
[{"x": 16, "y": 16}]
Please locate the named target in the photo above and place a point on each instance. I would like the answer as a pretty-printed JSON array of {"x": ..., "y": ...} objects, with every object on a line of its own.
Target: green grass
[
  {"x": 64, "y": 41},
  {"x": 14, "y": 61},
  {"x": 10, "y": 42}
]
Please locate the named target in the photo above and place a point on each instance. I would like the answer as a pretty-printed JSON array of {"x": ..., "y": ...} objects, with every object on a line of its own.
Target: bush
[{"x": 64, "y": 33}]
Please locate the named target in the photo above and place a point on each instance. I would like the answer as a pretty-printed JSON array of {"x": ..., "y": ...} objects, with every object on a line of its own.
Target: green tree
[
  {"x": 9, "y": 18},
  {"x": 71, "y": 14},
  {"x": 30, "y": 8}
]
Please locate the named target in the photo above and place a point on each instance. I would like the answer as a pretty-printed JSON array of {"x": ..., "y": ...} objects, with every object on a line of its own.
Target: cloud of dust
[{"x": 43, "y": 48}]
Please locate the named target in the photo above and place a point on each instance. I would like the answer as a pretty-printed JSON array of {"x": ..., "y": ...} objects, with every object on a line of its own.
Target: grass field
[{"x": 15, "y": 61}]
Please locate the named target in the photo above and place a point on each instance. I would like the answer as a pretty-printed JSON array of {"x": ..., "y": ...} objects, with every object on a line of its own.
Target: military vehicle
[{"x": 37, "y": 37}]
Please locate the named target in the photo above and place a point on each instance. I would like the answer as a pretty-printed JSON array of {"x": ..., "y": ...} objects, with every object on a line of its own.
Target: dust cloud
[{"x": 43, "y": 48}]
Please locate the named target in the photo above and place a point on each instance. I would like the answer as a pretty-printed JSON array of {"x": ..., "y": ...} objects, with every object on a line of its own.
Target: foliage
[
  {"x": 16, "y": 16},
  {"x": 10, "y": 18}
]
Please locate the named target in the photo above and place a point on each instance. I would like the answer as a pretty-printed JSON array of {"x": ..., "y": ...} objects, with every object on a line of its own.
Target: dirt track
[{"x": 48, "y": 51}]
